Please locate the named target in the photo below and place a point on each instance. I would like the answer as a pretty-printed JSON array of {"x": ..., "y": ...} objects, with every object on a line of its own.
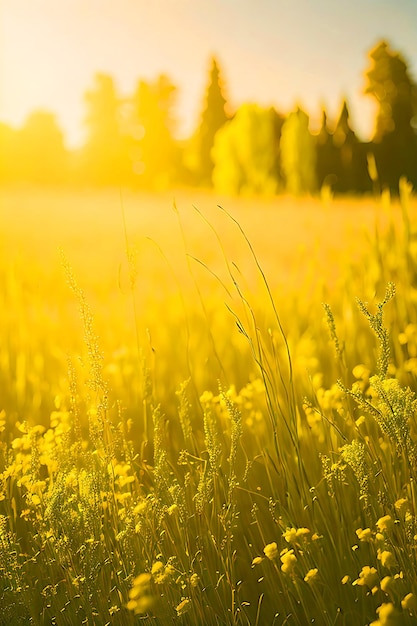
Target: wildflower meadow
[{"x": 207, "y": 415}]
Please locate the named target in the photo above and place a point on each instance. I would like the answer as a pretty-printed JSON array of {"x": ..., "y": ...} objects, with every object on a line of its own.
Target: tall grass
[{"x": 273, "y": 484}]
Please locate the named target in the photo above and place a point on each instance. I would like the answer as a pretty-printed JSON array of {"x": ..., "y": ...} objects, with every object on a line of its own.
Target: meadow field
[{"x": 207, "y": 409}]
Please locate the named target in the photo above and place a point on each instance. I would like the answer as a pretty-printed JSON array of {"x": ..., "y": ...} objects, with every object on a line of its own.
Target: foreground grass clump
[{"x": 278, "y": 490}]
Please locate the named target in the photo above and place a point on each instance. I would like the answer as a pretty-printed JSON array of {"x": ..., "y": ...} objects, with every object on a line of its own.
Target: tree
[
  {"x": 104, "y": 156},
  {"x": 213, "y": 117},
  {"x": 351, "y": 163},
  {"x": 9, "y": 157},
  {"x": 325, "y": 155},
  {"x": 154, "y": 154},
  {"x": 245, "y": 152},
  {"x": 395, "y": 145},
  {"x": 40, "y": 151},
  {"x": 298, "y": 154}
]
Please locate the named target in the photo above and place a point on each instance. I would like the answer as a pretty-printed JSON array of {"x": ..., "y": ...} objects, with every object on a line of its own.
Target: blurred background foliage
[{"x": 132, "y": 141}]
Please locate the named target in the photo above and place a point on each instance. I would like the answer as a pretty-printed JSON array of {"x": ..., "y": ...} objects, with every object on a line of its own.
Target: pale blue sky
[{"x": 279, "y": 52}]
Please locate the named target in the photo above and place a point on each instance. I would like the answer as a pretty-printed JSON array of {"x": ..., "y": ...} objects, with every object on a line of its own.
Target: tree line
[{"x": 132, "y": 141}]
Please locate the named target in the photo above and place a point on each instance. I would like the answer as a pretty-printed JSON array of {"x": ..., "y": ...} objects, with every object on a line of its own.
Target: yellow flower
[
  {"x": 364, "y": 535},
  {"x": 345, "y": 579},
  {"x": 157, "y": 567},
  {"x": 2, "y": 420},
  {"x": 183, "y": 606},
  {"x": 311, "y": 575},
  {"x": 271, "y": 551},
  {"x": 402, "y": 505},
  {"x": 158, "y": 571},
  {"x": 385, "y": 523},
  {"x": 206, "y": 397},
  {"x": 289, "y": 561},
  {"x": 387, "y": 558},
  {"x": 141, "y": 598},
  {"x": 409, "y": 602},
  {"x": 169, "y": 571},
  {"x": 141, "y": 507},
  {"x": 368, "y": 577},
  {"x": 386, "y": 615},
  {"x": 194, "y": 580},
  {"x": 361, "y": 372},
  {"x": 257, "y": 560},
  {"x": 387, "y": 584},
  {"x": 290, "y": 535}
]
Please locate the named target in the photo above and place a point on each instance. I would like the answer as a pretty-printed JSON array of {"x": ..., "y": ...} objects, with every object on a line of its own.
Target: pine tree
[
  {"x": 213, "y": 117},
  {"x": 326, "y": 169},
  {"x": 395, "y": 144},
  {"x": 345, "y": 143}
]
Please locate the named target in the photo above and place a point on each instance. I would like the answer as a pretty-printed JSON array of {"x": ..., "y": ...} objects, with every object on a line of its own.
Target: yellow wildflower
[
  {"x": 257, "y": 560},
  {"x": 169, "y": 571},
  {"x": 141, "y": 507},
  {"x": 206, "y": 397},
  {"x": 387, "y": 614},
  {"x": 183, "y": 606},
  {"x": 271, "y": 551},
  {"x": 364, "y": 534},
  {"x": 368, "y": 577},
  {"x": 141, "y": 598},
  {"x": 385, "y": 523},
  {"x": 158, "y": 571},
  {"x": 311, "y": 575},
  {"x": 289, "y": 561},
  {"x": 402, "y": 505},
  {"x": 409, "y": 602},
  {"x": 361, "y": 372},
  {"x": 290, "y": 535},
  {"x": 173, "y": 509},
  {"x": 387, "y": 558},
  {"x": 387, "y": 584}
]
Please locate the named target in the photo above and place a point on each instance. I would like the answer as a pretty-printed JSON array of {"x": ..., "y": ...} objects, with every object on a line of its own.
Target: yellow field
[
  {"x": 175, "y": 446},
  {"x": 303, "y": 246}
]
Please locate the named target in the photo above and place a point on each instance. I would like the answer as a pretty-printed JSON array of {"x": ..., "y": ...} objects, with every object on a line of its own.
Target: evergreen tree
[
  {"x": 346, "y": 144},
  {"x": 213, "y": 117},
  {"x": 395, "y": 145},
  {"x": 352, "y": 162},
  {"x": 326, "y": 168}
]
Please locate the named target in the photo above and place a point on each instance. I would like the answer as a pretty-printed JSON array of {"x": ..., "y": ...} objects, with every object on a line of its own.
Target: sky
[{"x": 283, "y": 53}]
